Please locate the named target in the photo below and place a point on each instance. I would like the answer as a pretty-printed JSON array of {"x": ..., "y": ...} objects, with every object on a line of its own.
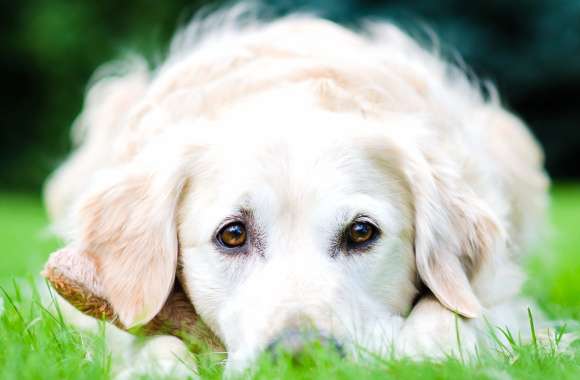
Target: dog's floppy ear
[
  {"x": 127, "y": 237},
  {"x": 73, "y": 275},
  {"x": 454, "y": 231},
  {"x": 454, "y": 234},
  {"x": 128, "y": 229}
]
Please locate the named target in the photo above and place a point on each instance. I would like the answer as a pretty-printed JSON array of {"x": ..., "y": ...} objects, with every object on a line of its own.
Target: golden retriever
[{"x": 296, "y": 175}]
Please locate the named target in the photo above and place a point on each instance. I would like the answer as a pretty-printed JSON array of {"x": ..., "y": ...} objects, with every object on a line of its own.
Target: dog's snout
[{"x": 295, "y": 342}]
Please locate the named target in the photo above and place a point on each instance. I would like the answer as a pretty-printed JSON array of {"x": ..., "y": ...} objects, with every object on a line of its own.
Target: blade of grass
[
  {"x": 532, "y": 329},
  {"x": 17, "y": 311}
]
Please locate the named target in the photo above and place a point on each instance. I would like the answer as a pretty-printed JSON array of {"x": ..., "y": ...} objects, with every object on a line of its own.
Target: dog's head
[{"x": 333, "y": 228}]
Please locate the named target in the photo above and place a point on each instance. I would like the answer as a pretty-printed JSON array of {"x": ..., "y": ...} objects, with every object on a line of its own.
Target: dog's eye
[
  {"x": 360, "y": 232},
  {"x": 233, "y": 235}
]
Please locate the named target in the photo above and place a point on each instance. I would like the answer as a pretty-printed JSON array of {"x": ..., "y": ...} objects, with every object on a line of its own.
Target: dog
[{"x": 294, "y": 175}]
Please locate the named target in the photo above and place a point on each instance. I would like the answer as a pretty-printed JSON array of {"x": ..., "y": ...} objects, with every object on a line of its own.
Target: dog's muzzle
[{"x": 294, "y": 342}]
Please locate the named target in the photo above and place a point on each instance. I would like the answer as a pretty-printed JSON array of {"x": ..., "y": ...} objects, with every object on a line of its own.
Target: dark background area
[{"x": 49, "y": 49}]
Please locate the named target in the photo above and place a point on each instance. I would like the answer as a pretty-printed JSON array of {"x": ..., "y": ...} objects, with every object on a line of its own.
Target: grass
[
  {"x": 554, "y": 273},
  {"x": 37, "y": 344}
]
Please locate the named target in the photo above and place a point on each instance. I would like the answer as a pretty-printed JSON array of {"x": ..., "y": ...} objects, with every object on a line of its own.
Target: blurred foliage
[{"x": 49, "y": 48}]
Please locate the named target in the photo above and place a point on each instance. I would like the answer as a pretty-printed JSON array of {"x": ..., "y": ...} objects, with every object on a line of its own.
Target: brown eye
[
  {"x": 233, "y": 235},
  {"x": 360, "y": 233}
]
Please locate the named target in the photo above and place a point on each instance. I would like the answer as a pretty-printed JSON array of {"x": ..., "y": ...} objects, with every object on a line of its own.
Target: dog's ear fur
[
  {"x": 454, "y": 231},
  {"x": 73, "y": 275},
  {"x": 126, "y": 235},
  {"x": 128, "y": 230},
  {"x": 454, "y": 235}
]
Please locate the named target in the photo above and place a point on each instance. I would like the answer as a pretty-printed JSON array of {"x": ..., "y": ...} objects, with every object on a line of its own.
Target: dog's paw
[
  {"x": 432, "y": 331},
  {"x": 157, "y": 369},
  {"x": 164, "y": 357}
]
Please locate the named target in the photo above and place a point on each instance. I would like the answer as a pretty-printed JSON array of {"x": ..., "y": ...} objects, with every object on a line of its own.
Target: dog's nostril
[{"x": 295, "y": 341}]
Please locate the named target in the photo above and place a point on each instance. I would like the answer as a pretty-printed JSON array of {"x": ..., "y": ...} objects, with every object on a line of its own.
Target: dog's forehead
[
  {"x": 314, "y": 159},
  {"x": 305, "y": 167},
  {"x": 309, "y": 169},
  {"x": 303, "y": 180}
]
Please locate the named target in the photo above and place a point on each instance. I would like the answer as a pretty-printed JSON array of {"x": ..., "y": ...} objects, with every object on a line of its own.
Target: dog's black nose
[{"x": 295, "y": 341}]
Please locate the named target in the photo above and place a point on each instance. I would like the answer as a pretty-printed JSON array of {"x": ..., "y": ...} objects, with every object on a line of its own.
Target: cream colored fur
[{"x": 306, "y": 125}]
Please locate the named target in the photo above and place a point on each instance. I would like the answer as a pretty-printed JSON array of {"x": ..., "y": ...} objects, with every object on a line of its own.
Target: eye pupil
[
  {"x": 233, "y": 235},
  {"x": 360, "y": 232}
]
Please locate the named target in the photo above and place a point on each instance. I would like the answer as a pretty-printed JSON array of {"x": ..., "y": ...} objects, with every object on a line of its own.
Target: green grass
[
  {"x": 554, "y": 273},
  {"x": 37, "y": 344}
]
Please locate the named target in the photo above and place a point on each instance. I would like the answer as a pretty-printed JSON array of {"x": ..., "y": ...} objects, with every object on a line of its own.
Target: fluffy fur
[{"x": 298, "y": 126}]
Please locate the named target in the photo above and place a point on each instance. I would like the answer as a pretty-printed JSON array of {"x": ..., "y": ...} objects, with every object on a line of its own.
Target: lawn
[{"x": 37, "y": 344}]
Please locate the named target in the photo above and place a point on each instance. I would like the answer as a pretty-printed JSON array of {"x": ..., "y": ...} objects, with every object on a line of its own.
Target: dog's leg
[
  {"x": 432, "y": 331},
  {"x": 160, "y": 356}
]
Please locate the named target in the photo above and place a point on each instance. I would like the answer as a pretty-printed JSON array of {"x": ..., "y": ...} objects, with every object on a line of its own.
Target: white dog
[{"x": 297, "y": 175}]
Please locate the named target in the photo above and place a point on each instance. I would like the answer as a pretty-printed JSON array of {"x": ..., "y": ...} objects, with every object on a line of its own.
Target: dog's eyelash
[{"x": 339, "y": 244}]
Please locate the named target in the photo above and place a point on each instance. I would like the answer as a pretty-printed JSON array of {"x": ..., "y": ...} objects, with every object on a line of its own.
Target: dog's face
[
  {"x": 325, "y": 222},
  {"x": 297, "y": 231}
]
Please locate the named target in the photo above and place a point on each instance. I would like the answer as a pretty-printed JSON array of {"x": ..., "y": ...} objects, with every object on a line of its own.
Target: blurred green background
[{"x": 49, "y": 48}]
